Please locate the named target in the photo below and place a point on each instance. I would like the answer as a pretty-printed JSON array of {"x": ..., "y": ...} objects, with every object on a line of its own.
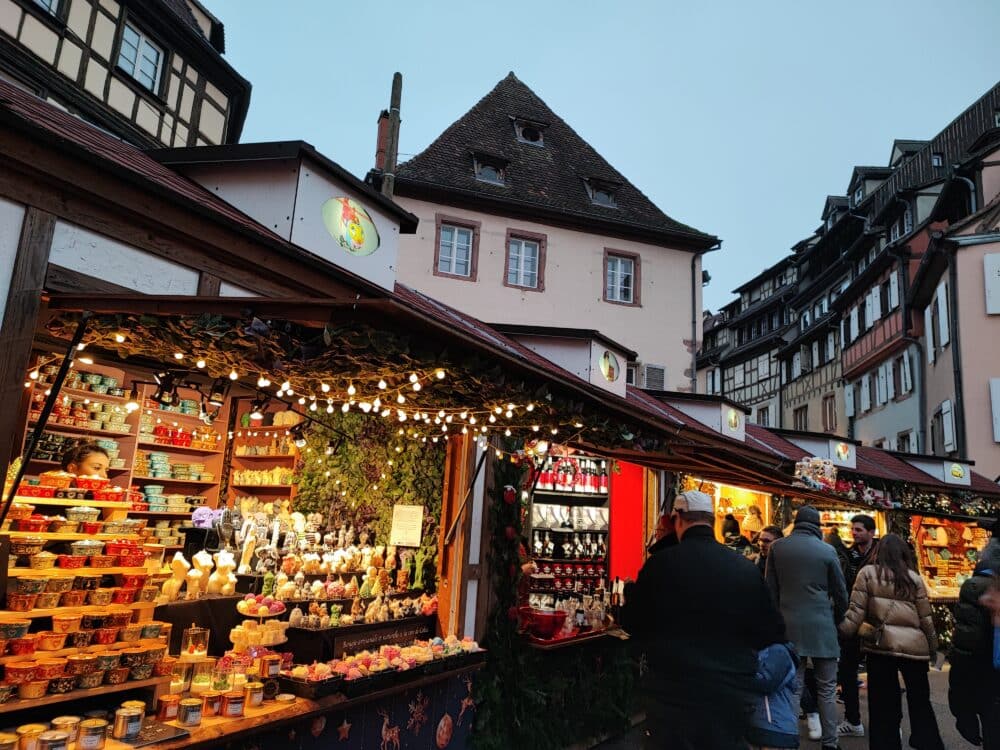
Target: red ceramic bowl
[
  {"x": 133, "y": 581},
  {"x": 92, "y": 483},
  {"x": 120, "y": 548},
  {"x": 71, "y": 561},
  {"x": 105, "y": 636},
  {"x": 34, "y": 524},
  {"x": 113, "y": 495},
  {"x": 545, "y": 623},
  {"x": 132, "y": 559},
  {"x": 91, "y": 527},
  {"x": 23, "y": 646},
  {"x": 123, "y": 596}
]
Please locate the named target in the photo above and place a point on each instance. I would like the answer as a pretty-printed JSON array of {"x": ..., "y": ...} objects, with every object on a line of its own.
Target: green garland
[
  {"x": 365, "y": 476},
  {"x": 526, "y": 697}
]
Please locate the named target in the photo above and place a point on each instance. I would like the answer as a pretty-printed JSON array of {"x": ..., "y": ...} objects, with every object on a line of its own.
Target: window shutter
[
  {"x": 843, "y": 332},
  {"x": 876, "y": 304},
  {"x": 738, "y": 375},
  {"x": 866, "y": 393},
  {"x": 849, "y": 399},
  {"x": 763, "y": 367},
  {"x": 854, "y": 323},
  {"x": 929, "y": 334},
  {"x": 869, "y": 311},
  {"x": 894, "y": 289},
  {"x": 942, "y": 303},
  {"x": 948, "y": 425},
  {"x": 796, "y": 365},
  {"x": 815, "y": 354},
  {"x": 907, "y": 376},
  {"x": 831, "y": 346},
  {"x": 655, "y": 377},
  {"x": 890, "y": 380},
  {"x": 880, "y": 386},
  {"x": 717, "y": 384},
  {"x": 995, "y": 400}
]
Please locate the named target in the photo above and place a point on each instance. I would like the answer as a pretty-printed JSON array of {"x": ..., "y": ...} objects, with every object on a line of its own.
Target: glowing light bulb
[
  {"x": 178, "y": 355},
  {"x": 200, "y": 364},
  {"x": 34, "y": 374},
  {"x": 530, "y": 407},
  {"x": 351, "y": 390},
  {"x": 400, "y": 399},
  {"x": 233, "y": 374},
  {"x": 263, "y": 382},
  {"x": 302, "y": 400},
  {"x": 324, "y": 387},
  {"x": 377, "y": 403},
  {"x": 507, "y": 432},
  {"x": 498, "y": 409},
  {"x": 382, "y": 385},
  {"x": 313, "y": 406},
  {"x": 554, "y": 431},
  {"x": 416, "y": 386},
  {"x": 463, "y": 415},
  {"x": 365, "y": 407},
  {"x": 492, "y": 419},
  {"x": 472, "y": 420},
  {"x": 508, "y": 414},
  {"x": 534, "y": 428},
  {"x": 413, "y": 377},
  {"x": 439, "y": 374},
  {"x": 120, "y": 338}
]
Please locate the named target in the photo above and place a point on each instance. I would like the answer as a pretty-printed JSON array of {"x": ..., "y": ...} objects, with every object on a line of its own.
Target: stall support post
[{"x": 50, "y": 402}]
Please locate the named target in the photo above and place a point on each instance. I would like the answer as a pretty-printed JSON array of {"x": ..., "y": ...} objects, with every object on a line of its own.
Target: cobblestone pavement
[{"x": 939, "y": 700}]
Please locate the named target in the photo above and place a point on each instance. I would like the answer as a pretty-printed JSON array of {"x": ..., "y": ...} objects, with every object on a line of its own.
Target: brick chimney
[{"x": 382, "y": 140}]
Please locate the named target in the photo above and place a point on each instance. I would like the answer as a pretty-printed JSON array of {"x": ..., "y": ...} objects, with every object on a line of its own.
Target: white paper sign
[{"x": 407, "y": 525}]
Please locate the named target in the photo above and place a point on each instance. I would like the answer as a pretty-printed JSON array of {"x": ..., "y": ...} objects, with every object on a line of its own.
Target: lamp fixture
[
  {"x": 258, "y": 406},
  {"x": 219, "y": 391},
  {"x": 166, "y": 388},
  {"x": 298, "y": 433},
  {"x": 133, "y": 401}
]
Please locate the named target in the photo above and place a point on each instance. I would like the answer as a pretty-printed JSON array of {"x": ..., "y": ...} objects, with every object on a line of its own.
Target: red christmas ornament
[
  {"x": 511, "y": 533},
  {"x": 509, "y": 495}
]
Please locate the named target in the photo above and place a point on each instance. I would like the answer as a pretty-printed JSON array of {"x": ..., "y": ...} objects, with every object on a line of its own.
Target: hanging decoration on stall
[
  {"x": 350, "y": 225},
  {"x": 816, "y": 473}
]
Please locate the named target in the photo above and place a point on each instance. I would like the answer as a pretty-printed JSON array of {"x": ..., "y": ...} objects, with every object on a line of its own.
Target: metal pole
[{"x": 50, "y": 402}]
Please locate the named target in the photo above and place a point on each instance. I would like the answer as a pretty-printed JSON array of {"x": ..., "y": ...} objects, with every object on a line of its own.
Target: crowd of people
[{"x": 740, "y": 649}]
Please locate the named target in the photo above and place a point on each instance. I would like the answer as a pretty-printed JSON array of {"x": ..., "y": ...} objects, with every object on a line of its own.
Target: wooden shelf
[
  {"x": 92, "y": 649},
  {"x": 59, "y": 463},
  {"x": 58, "y": 536},
  {"x": 163, "y": 415},
  {"x": 7, "y": 616},
  {"x": 160, "y": 514},
  {"x": 177, "y": 448},
  {"x": 71, "y": 430},
  {"x": 174, "y": 481},
  {"x": 73, "y": 695},
  {"x": 72, "y": 572},
  {"x": 248, "y": 487},
  {"x": 64, "y": 391},
  {"x": 259, "y": 457},
  {"x": 65, "y": 501}
]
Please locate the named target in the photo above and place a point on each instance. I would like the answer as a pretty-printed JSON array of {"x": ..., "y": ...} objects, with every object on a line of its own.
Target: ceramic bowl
[
  {"x": 154, "y": 653},
  {"x": 19, "y": 511},
  {"x": 108, "y": 660},
  {"x": 21, "y": 602},
  {"x": 87, "y": 547},
  {"x": 86, "y": 582},
  {"x": 66, "y": 623},
  {"x": 72, "y": 561},
  {"x": 148, "y": 593},
  {"x": 62, "y": 685},
  {"x": 133, "y": 581},
  {"x": 49, "y": 640},
  {"x": 59, "y": 584},
  {"x": 100, "y": 597},
  {"x": 73, "y": 598},
  {"x": 132, "y": 657},
  {"x": 19, "y": 672},
  {"x": 81, "y": 638},
  {"x": 123, "y": 596},
  {"x": 91, "y": 527},
  {"x": 116, "y": 676},
  {"x": 103, "y": 561},
  {"x": 43, "y": 561},
  {"x": 29, "y": 545},
  {"x": 48, "y": 600},
  {"x": 34, "y": 524},
  {"x": 165, "y": 666},
  {"x": 28, "y": 585},
  {"x": 93, "y": 620},
  {"x": 105, "y": 636},
  {"x": 77, "y": 664},
  {"x": 65, "y": 527},
  {"x": 14, "y": 629},
  {"x": 141, "y": 671},
  {"x": 50, "y": 668},
  {"x": 33, "y": 689},
  {"x": 151, "y": 629},
  {"x": 118, "y": 617},
  {"x": 90, "y": 680},
  {"x": 130, "y": 633}
]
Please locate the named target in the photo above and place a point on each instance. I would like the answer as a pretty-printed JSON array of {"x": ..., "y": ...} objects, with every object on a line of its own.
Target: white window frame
[
  {"x": 894, "y": 289},
  {"x": 448, "y": 263},
  {"x": 948, "y": 425},
  {"x": 941, "y": 300},
  {"x": 906, "y": 377},
  {"x": 516, "y": 275},
  {"x": 614, "y": 274},
  {"x": 907, "y": 220},
  {"x": 849, "y": 399},
  {"x": 132, "y": 66},
  {"x": 866, "y": 393},
  {"x": 995, "y": 405}
]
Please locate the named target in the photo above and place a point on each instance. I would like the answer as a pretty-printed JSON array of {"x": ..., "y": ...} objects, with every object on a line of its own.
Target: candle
[
  {"x": 177, "y": 685},
  {"x": 239, "y": 680},
  {"x": 201, "y": 683}
]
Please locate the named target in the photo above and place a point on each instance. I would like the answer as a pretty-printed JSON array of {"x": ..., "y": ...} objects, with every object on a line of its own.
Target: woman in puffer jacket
[{"x": 899, "y": 637}]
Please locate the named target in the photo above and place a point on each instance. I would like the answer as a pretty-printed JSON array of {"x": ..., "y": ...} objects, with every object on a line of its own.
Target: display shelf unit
[
  {"x": 162, "y": 480},
  {"x": 79, "y": 393},
  {"x": 262, "y": 457},
  {"x": 60, "y": 536},
  {"x": 266, "y": 443},
  {"x": 71, "y": 503},
  {"x": 92, "y": 649},
  {"x": 56, "y": 464},
  {"x": 65, "y": 429},
  {"x": 160, "y": 684},
  {"x": 160, "y": 514},
  {"x": 251, "y": 487}
]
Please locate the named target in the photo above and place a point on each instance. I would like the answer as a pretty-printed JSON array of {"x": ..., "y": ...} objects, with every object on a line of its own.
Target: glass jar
[
  {"x": 194, "y": 643},
  {"x": 180, "y": 677},
  {"x": 201, "y": 675}
]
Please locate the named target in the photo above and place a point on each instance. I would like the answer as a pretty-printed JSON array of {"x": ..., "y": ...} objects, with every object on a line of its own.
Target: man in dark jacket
[
  {"x": 973, "y": 683},
  {"x": 701, "y": 613},
  {"x": 807, "y": 583},
  {"x": 859, "y": 554}
]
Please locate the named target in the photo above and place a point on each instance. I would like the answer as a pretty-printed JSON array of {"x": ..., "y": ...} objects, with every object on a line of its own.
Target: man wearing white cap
[{"x": 700, "y": 613}]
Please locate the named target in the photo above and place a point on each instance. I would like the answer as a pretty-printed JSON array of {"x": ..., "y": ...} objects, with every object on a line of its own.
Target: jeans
[
  {"x": 826, "y": 694},
  {"x": 847, "y": 676},
  {"x": 885, "y": 707}
]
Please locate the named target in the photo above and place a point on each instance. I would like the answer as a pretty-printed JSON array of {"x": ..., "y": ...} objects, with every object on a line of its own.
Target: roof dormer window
[
  {"x": 490, "y": 169},
  {"x": 937, "y": 159},
  {"x": 601, "y": 193},
  {"x": 859, "y": 194},
  {"x": 530, "y": 132}
]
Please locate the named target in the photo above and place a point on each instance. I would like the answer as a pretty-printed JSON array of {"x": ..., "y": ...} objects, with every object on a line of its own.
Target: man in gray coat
[{"x": 807, "y": 584}]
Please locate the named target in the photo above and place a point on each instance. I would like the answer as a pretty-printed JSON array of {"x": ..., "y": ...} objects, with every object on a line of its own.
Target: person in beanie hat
[
  {"x": 807, "y": 584},
  {"x": 698, "y": 690}
]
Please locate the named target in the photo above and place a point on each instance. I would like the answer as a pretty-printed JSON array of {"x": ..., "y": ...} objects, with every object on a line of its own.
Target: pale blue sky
[{"x": 738, "y": 118}]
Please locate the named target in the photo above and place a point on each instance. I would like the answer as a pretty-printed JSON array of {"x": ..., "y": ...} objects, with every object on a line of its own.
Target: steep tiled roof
[
  {"x": 549, "y": 177},
  {"x": 771, "y": 441},
  {"x": 875, "y": 462}
]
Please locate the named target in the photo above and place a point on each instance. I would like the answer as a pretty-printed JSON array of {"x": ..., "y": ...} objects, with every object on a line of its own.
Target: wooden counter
[{"x": 215, "y": 730}]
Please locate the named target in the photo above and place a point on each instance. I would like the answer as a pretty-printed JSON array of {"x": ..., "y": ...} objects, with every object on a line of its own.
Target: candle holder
[
  {"x": 194, "y": 643},
  {"x": 202, "y": 675},
  {"x": 180, "y": 677}
]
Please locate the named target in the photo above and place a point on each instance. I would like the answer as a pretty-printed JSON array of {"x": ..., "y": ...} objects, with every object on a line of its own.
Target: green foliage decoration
[
  {"x": 526, "y": 697},
  {"x": 365, "y": 475}
]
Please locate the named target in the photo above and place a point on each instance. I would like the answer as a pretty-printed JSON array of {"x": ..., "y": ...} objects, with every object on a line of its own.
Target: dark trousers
[
  {"x": 808, "y": 703},
  {"x": 687, "y": 728},
  {"x": 990, "y": 719},
  {"x": 847, "y": 676},
  {"x": 885, "y": 708}
]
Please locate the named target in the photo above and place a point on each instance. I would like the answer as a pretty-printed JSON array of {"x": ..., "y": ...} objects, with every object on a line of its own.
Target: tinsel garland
[{"x": 528, "y": 698}]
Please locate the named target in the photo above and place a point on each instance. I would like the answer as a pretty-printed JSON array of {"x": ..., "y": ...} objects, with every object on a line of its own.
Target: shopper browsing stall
[{"x": 87, "y": 460}]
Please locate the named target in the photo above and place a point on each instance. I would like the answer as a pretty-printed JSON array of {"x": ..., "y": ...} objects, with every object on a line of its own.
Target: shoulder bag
[{"x": 870, "y": 634}]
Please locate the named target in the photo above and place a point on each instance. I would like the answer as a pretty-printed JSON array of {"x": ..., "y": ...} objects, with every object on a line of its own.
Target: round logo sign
[
  {"x": 733, "y": 420},
  {"x": 350, "y": 225},
  {"x": 609, "y": 367},
  {"x": 958, "y": 471},
  {"x": 843, "y": 451}
]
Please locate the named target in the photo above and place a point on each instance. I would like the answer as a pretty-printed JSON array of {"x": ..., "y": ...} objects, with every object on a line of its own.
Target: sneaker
[
  {"x": 815, "y": 726},
  {"x": 847, "y": 729}
]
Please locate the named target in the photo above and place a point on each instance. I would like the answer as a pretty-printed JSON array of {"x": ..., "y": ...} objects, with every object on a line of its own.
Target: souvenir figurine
[
  {"x": 179, "y": 567},
  {"x": 203, "y": 563}
]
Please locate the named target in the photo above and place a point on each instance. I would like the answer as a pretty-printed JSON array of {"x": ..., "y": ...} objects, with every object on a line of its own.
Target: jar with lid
[
  {"x": 232, "y": 704},
  {"x": 28, "y": 734},
  {"x": 53, "y": 740},
  {"x": 8, "y": 741},
  {"x": 68, "y": 724},
  {"x": 253, "y": 694},
  {"x": 166, "y": 707},
  {"x": 92, "y": 734},
  {"x": 212, "y": 703},
  {"x": 194, "y": 643},
  {"x": 189, "y": 713}
]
